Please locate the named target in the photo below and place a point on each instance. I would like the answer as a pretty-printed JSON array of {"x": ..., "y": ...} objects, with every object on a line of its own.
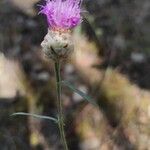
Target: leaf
[
  {"x": 34, "y": 115},
  {"x": 89, "y": 99}
]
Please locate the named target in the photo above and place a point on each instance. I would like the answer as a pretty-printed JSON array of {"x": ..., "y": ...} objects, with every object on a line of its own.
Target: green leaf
[
  {"x": 89, "y": 99},
  {"x": 34, "y": 115}
]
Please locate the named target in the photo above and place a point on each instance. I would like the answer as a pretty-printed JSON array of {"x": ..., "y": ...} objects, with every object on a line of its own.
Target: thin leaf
[
  {"x": 34, "y": 115},
  {"x": 83, "y": 95}
]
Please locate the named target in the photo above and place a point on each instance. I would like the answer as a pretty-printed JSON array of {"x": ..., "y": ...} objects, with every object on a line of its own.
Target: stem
[{"x": 60, "y": 109}]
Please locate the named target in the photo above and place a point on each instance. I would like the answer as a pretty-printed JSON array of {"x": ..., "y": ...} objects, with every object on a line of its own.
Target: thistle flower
[{"x": 62, "y": 14}]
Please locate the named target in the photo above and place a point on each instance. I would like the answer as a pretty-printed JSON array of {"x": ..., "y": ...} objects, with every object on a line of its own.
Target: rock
[{"x": 10, "y": 78}]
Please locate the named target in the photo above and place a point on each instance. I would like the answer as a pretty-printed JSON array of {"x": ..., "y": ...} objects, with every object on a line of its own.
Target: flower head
[{"x": 62, "y": 14}]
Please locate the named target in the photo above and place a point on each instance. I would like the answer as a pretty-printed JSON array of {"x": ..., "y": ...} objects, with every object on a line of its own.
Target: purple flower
[{"x": 62, "y": 14}]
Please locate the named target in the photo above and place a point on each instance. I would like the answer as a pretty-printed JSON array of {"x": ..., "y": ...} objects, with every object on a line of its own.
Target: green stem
[{"x": 60, "y": 109}]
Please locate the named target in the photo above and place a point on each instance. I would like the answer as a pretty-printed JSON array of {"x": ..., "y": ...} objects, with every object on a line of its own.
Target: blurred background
[{"x": 111, "y": 63}]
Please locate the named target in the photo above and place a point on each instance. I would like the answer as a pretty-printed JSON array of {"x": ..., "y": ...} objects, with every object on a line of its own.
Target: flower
[{"x": 62, "y": 14}]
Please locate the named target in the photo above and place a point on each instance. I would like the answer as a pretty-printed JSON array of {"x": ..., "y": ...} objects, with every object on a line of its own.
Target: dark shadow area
[{"x": 122, "y": 28}]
